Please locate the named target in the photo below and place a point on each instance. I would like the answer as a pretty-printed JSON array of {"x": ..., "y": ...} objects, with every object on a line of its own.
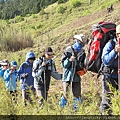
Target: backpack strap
[{"x": 106, "y": 69}]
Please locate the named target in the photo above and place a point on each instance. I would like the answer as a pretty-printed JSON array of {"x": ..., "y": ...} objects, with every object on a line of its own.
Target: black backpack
[{"x": 101, "y": 34}]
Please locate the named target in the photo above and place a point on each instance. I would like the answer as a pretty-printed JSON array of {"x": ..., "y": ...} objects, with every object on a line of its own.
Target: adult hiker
[
  {"x": 26, "y": 78},
  {"x": 110, "y": 74},
  {"x": 4, "y": 66},
  {"x": 73, "y": 68},
  {"x": 10, "y": 76},
  {"x": 43, "y": 69}
]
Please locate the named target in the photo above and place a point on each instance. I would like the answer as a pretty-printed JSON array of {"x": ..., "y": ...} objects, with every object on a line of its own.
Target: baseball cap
[{"x": 14, "y": 63}]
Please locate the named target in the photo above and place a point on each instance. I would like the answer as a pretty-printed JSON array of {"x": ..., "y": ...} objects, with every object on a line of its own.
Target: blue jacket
[
  {"x": 10, "y": 80},
  {"x": 69, "y": 68},
  {"x": 109, "y": 57},
  {"x": 2, "y": 72},
  {"x": 24, "y": 68}
]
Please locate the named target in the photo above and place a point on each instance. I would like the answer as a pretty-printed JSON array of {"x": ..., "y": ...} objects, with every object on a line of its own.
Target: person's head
[
  {"x": 118, "y": 31},
  {"x": 81, "y": 38},
  {"x": 48, "y": 53},
  {"x": 77, "y": 47},
  {"x": 30, "y": 57},
  {"x": 13, "y": 65},
  {"x": 5, "y": 63}
]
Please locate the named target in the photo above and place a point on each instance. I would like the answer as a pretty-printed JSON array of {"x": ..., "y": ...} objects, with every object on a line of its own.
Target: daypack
[
  {"x": 80, "y": 67},
  {"x": 101, "y": 34},
  {"x": 39, "y": 62}
]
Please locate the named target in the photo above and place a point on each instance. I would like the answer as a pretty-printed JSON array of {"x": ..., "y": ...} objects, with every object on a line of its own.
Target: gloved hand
[{"x": 25, "y": 75}]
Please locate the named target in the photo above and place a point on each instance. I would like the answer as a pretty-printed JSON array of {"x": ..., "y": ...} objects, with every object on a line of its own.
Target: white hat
[
  {"x": 82, "y": 38},
  {"x": 118, "y": 29},
  {"x": 4, "y": 62}
]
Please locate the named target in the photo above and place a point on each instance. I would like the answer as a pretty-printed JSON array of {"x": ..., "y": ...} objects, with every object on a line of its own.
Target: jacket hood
[{"x": 29, "y": 55}]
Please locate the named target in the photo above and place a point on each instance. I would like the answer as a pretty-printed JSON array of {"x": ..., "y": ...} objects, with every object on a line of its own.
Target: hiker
[
  {"x": 73, "y": 61},
  {"x": 10, "y": 76},
  {"x": 4, "y": 66},
  {"x": 26, "y": 78},
  {"x": 43, "y": 69},
  {"x": 110, "y": 76},
  {"x": 110, "y": 9}
]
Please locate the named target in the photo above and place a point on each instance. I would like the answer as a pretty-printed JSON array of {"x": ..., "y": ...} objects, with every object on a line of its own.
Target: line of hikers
[{"x": 35, "y": 74}]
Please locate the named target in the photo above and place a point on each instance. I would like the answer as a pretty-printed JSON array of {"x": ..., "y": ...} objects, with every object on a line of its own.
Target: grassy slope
[{"x": 59, "y": 36}]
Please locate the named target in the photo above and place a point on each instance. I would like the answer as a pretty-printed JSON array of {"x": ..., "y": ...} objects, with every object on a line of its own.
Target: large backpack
[{"x": 101, "y": 34}]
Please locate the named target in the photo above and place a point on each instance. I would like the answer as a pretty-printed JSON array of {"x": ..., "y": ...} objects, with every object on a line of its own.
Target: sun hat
[{"x": 81, "y": 37}]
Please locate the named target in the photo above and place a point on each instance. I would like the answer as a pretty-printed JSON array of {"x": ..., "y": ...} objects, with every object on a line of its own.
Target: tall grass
[
  {"x": 89, "y": 106},
  {"x": 13, "y": 39}
]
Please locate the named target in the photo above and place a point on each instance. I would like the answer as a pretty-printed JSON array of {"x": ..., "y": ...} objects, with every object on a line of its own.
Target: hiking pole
[
  {"x": 119, "y": 66},
  {"x": 44, "y": 81},
  {"x": 72, "y": 73}
]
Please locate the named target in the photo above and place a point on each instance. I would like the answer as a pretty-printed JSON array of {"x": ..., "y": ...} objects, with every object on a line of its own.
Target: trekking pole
[
  {"x": 119, "y": 66},
  {"x": 44, "y": 81},
  {"x": 73, "y": 73}
]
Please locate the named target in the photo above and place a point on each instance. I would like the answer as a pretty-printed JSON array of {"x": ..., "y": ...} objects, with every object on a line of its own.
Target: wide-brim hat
[{"x": 82, "y": 38}]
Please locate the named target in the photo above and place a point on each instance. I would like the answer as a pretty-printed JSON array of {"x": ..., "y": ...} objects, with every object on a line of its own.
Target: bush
[
  {"x": 19, "y": 19},
  {"x": 38, "y": 26},
  {"x": 75, "y": 3},
  {"x": 62, "y": 1},
  {"x": 60, "y": 9}
]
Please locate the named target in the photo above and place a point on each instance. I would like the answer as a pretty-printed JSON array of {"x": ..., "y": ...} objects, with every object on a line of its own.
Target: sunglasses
[
  {"x": 32, "y": 58},
  {"x": 49, "y": 53}
]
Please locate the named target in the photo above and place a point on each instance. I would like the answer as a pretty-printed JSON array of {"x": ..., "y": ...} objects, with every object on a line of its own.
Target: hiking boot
[
  {"x": 77, "y": 101},
  {"x": 104, "y": 108},
  {"x": 40, "y": 102},
  {"x": 63, "y": 101}
]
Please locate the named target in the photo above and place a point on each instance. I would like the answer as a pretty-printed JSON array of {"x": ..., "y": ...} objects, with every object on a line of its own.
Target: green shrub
[
  {"x": 19, "y": 19},
  {"x": 62, "y": 1},
  {"x": 60, "y": 9},
  {"x": 75, "y": 3},
  {"x": 38, "y": 26}
]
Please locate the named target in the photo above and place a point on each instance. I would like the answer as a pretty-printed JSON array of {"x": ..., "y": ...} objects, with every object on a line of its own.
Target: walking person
[
  {"x": 110, "y": 70},
  {"x": 73, "y": 64},
  {"x": 4, "y": 66},
  {"x": 43, "y": 69},
  {"x": 10, "y": 76},
  {"x": 26, "y": 78}
]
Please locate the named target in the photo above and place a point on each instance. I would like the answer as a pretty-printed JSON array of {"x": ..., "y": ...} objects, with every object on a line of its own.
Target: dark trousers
[
  {"x": 26, "y": 95},
  {"x": 108, "y": 84},
  {"x": 76, "y": 88},
  {"x": 13, "y": 96}
]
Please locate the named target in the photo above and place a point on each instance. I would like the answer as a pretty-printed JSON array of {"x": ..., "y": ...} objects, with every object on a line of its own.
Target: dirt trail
[{"x": 85, "y": 20}]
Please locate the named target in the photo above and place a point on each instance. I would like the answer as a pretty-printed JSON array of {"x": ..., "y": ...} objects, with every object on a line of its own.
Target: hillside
[{"x": 59, "y": 35}]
